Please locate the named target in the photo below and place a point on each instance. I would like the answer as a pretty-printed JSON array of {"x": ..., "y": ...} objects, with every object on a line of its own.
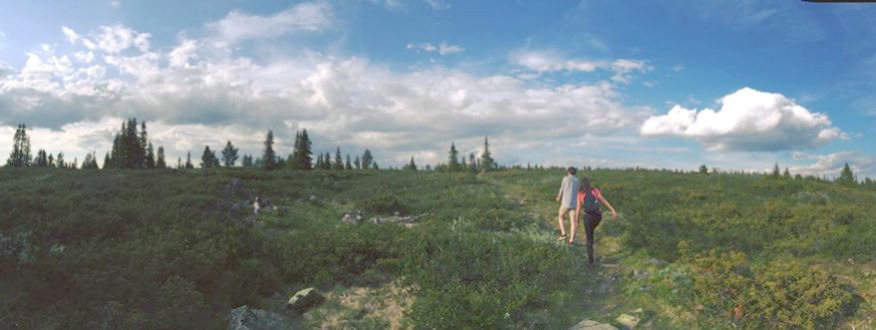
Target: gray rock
[
  {"x": 351, "y": 218},
  {"x": 627, "y": 321},
  {"x": 304, "y": 299},
  {"x": 245, "y": 318},
  {"x": 313, "y": 198},
  {"x": 592, "y": 325}
]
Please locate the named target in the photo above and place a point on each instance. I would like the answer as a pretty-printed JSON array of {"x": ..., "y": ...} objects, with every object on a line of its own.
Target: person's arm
[
  {"x": 562, "y": 188},
  {"x": 605, "y": 201}
]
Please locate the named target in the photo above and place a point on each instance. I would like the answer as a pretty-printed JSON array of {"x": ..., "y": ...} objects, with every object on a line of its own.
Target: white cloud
[
  {"x": 543, "y": 61},
  {"x": 2, "y": 35},
  {"x": 444, "y": 48},
  {"x": 831, "y": 164},
  {"x": 238, "y": 26},
  {"x": 180, "y": 56},
  {"x": 84, "y": 56},
  {"x": 115, "y": 3},
  {"x": 748, "y": 120},
  {"x": 116, "y": 38},
  {"x": 437, "y": 4},
  {"x": 71, "y": 35}
]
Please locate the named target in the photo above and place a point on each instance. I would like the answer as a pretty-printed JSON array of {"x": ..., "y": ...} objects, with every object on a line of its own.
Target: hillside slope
[{"x": 180, "y": 249}]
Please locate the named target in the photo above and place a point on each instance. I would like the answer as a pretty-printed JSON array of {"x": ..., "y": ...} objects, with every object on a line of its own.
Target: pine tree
[
  {"x": 412, "y": 166},
  {"x": 367, "y": 159},
  {"x": 776, "y": 173},
  {"x": 247, "y": 161},
  {"x": 229, "y": 154},
  {"x": 189, "y": 160},
  {"x": 268, "y": 155},
  {"x": 160, "y": 164},
  {"x": 786, "y": 174},
  {"x": 453, "y": 158},
  {"x": 464, "y": 163},
  {"x": 179, "y": 165},
  {"x": 846, "y": 177},
  {"x": 357, "y": 163},
  {"x": 107, "y": 162},
  {"x": 144, "y": 147},
  {"x": 51, "y": 160},
  {"x": 486, "y": 161},
  {"x": 375, "y": 166},
  {"x": 327, "y": 161},
  {"x": 302, "y": 153},
  {"x": 473, "y": 163},
  {"x": 348, "y": 166},
  {"x": 75, "y": 164}
]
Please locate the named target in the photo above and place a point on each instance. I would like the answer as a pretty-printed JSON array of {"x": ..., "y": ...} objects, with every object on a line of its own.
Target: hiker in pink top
[{"x": 589, "y": 199}]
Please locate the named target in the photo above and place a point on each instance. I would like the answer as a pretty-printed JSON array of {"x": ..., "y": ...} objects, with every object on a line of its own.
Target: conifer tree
[
  {"x": 107, "y": 162},
  {"x": 453, "y": 158},
  {"x": 349, "y": 165},
  {"x": 786, "y": 174},
  {"x": 75, "y": 164},
  {"x": 268, "y": 155},
  {"x": 160, "y": 163},
  {"x": 327, "y": 161},
  {"x": 357, "y": 163},
  {"x": 209, "y": 159},
  {"x": 486, "y": 162},
  {"x": 20, "y": 155},
  {"x": 189, "y": 160},
  {"x": 339, "y": 162},
  {"x": 367, "y": 159},
  {"x": 150, "y": 154},
  {"x": 846, "y": 177},
  {"x": 179, "y": 165},
  {"x": 229, "y": 154},
  {"x": 247, "y": 161},
  {"x": 51, "y": 160},
  {"x": 473, "y": 163},
  {"x": 411, "y": 165},
  {"x": 776, "y": 173},
  {"x": 60, "y": 160}
]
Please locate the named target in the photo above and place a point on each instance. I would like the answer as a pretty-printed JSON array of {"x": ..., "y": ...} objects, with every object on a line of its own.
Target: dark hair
[
  {"x": 585, "y": 185},
  {"x": 571, "y": 170}
]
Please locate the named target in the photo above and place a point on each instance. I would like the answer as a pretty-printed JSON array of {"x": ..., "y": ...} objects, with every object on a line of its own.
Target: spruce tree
[
  {"x": 179, "y": 165},
  {"x": 453, "y": 158},
  {"x": 268, "y": 155},
  {"x": 229, "y": 154},
  {"x": 786, "y": 174},
  {"x": 160, "y": 163},
  {"x": 846, "y": 177},
  {"x": 20, "y": 155},
  {"x": 107, "y": 162},
  {"x": 473, "y": 163},
  {"x": 367, "y": 159},
  {"x": 486, "y": 162},
  {"x": 357, "y": 163},
  {"x": 60, "y": 160},
  {"x": 412, "y": 165},
  {"x": 150, "y": 154},
  {"x": 776, "y": 173},
  {"x": 247, "y": 161},
  {"x": 339, "y": 162},
  {"x": 144, "y": 148},
  {"x": 349, "y": 165},
  {"x": 51, "y": 160},
  {"x": 327, "y": 161},
  {"x": 208, "y": 159},
  {"x": 189, "y": 160}
]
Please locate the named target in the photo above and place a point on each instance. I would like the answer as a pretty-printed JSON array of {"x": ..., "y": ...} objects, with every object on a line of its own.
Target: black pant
[{"x": 591, "y": 221}]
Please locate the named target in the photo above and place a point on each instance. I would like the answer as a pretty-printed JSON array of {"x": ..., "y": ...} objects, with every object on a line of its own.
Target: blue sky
[{"x": 670, "y": 84}]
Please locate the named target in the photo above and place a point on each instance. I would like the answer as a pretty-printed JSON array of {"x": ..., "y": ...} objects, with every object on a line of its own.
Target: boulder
[
  {"x": 592, "y": 325},
  {"x": 351, "y": 218},
  {"x": 245, "y": 318},
  {"x": 304, "y": 299}
]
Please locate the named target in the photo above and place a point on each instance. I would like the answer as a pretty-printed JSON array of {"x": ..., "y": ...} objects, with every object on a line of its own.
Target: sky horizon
[{"x": 735, "y": 85}]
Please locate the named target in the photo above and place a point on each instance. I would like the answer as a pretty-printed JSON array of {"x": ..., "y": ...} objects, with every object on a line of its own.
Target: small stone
[
  {"x": 304, "y": 299},
  {"x": 313, "y": 198},
  {"x": 591, "y": 325},
  {"x": 627, "y": 321},
  {"x": 350, "y": 219}
]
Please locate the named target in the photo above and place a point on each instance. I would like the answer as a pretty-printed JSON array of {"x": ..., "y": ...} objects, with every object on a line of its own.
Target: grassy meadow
[{"x": 120, "y": 249}]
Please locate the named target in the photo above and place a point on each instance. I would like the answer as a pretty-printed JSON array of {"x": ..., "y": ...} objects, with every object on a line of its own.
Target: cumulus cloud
[
  {"x": 444, "y": 48},
  {"x": 832, "y": 163},
  {"x": 195, "y": 94},
  {"x": 748, "y": 120},
  {"x": 239, "y": 26}
]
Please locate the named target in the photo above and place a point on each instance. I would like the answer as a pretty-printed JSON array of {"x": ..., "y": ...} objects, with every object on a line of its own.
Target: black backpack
[{"x": 591, "y": 204}]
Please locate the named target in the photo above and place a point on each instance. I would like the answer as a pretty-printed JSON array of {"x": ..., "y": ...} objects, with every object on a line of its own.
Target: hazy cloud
[
  {"x": 444, "y": 48},
  {"x": 238, "y": 26}
]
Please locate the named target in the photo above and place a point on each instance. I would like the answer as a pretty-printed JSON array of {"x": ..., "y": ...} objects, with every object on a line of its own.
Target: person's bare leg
[
  {"x": 574, "y": 228},
  {"x": 560, "y": 223}
]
